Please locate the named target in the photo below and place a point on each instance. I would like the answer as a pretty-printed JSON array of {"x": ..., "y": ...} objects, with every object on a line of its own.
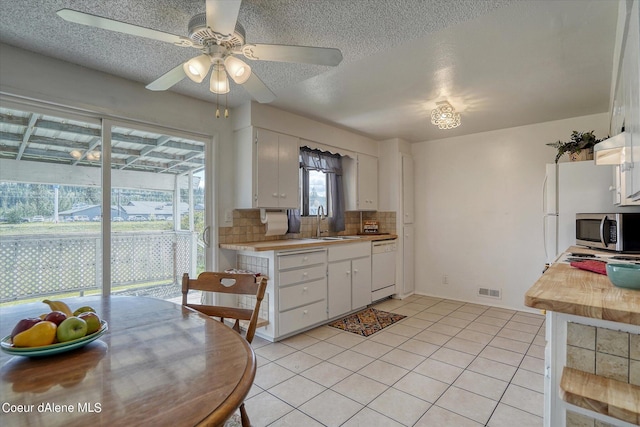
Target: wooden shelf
[{"x": 603, "y": 395}]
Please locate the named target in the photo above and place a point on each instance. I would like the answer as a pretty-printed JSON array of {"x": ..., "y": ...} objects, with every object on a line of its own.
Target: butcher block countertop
[
  {"x": 565, "y": 289},
  {"x": 289, "y": 244}
]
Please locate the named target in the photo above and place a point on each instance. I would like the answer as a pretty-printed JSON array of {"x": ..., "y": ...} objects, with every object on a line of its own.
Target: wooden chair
[{"x": 228, "y": 283}]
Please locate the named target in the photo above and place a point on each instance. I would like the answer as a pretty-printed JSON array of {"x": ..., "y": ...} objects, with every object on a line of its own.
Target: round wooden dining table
[{"x": 159, "y": 364}]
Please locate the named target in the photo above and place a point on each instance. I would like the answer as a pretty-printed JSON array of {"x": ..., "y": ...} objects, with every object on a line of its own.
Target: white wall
[
  {"x": 479, "y": 209},
  {"x": 39, "y": 77}
]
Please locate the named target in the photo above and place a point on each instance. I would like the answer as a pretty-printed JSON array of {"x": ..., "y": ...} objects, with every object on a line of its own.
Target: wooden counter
[
  {"x": 565, "y": 289},
  {"x": 578, "y": 300},
  {"x": 289, "y": 244}
]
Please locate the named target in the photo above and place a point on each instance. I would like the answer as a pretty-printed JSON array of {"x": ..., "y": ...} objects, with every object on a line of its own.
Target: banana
[{"x": 59, "y": 306}]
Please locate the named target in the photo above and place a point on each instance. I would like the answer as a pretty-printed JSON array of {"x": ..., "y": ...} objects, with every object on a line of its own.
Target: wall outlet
[
  {"x": 228, "y": 215},
  {"x": 445, "y": 279}
]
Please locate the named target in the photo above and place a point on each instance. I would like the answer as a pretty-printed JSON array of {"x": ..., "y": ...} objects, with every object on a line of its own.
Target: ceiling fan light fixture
[
  {"x": 219, "y": 82},
  {"x": 76, "y": 154},
  {"x": 237, "y": 69},
  {"x": 197, "y": 68},
  {"x": 445, "y": 116}
]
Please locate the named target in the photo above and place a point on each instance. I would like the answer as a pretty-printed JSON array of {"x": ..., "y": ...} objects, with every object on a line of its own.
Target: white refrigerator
[{"x": 570, "y": 188}]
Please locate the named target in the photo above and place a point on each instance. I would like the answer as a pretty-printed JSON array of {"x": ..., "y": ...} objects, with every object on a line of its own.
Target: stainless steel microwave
[{"x": 618, "y": 232}]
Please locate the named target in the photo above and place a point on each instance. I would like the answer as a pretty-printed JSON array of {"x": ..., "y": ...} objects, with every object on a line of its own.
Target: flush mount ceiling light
[{"x": 444, "y": 116}]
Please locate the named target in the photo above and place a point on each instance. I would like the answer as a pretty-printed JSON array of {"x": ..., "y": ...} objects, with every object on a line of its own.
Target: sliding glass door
[
  {"x": 74, "y": 188},
  {"x": 157, "y": 210},
  {"x": 50, "y": 180}
]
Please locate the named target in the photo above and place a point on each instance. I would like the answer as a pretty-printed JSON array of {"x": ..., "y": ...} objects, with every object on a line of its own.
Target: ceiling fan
[{"x": 220, "y": 38}]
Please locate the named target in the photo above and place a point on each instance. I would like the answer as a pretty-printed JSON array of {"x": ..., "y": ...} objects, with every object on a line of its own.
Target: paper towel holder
[{"x": 263, "y": 214}]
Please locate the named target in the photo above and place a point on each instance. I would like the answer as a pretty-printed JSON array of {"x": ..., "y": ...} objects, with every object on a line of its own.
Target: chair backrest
[{"x": 228, "y": 283}]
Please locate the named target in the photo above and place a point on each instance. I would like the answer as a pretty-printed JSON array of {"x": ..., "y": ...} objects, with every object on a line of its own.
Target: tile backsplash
[
  {"x": 605, "y": 352},
  {"x": 248, "y": 228}
]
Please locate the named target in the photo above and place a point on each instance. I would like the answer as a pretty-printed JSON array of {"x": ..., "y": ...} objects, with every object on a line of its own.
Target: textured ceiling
[{"x": 502, "y": 63}]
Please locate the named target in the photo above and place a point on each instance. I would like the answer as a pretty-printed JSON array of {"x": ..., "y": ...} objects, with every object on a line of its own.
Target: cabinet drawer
[
  {"x": 302, "y": 275},
  {"x": 301, "y": 259},
  {"x": 349, "y": 251},
  {"x": 300, "y": 318},
  {"x": 302, "y": 294}
]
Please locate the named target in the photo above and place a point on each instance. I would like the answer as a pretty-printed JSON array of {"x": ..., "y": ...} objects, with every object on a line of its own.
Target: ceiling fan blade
[
  {"x": 258, "y": 90},
  {"x": 168, "y": 79},
  {"x": 283, "y": 53},
  {"x": 222, "y": 15},
  {"x": 121, "y": 27}
]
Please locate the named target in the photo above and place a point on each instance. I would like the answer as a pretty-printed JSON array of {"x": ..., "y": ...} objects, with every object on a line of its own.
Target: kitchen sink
[{"x": 337, "y": 238}]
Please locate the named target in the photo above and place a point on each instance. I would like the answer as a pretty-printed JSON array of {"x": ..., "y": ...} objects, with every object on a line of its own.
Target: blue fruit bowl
[{"x": 624, "y": 275}]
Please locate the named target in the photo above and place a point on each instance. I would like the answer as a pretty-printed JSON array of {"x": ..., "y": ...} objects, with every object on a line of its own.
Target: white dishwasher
[{"x": 383, "y": 268}]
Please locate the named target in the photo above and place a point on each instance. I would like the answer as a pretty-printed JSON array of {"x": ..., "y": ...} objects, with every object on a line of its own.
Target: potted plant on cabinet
[{"x": 580, "y": 147}]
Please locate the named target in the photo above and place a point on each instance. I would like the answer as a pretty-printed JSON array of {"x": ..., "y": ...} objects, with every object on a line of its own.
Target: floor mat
[{"x": 367, "y": 322}]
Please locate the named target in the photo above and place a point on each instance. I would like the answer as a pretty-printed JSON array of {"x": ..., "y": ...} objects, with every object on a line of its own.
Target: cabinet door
[
  {"x": 632, "y": 52},
  {"x": 266, "y": 170},
  {"x": 339, "y": 289},
  {"x": 407, "y": 260},
  {"x": 367, "y": 182},
  {"x": 630, "y": 82},
  {"x": 288, "y": 171},
  {"x": 360, "y": 282},
  {"x": 407, "y": 189}
]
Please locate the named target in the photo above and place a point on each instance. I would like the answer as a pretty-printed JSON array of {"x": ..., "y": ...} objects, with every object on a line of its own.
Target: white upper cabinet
[
  {"x": 266, "y": 169},
  {"x": 361, "y": 183},
  {"x": 626, "y": 104},
  {"x": 631, "y": 83}
]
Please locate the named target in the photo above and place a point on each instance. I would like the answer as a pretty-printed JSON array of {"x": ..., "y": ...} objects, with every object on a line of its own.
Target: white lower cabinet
[
  {"x": 339, "y": 288},
  {"x": 349, "y": 276},
  {"x": 302, "y": 317},
  {"x": 307, "y": 287},
  {"x": 301, "y": 283}
]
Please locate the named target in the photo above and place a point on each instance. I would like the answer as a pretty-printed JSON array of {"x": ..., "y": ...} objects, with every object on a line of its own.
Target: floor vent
[{"x": 491, "y": 293}]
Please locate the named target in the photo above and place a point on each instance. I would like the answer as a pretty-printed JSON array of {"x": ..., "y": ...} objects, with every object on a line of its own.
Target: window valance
[{"x": 312, "y": 145}]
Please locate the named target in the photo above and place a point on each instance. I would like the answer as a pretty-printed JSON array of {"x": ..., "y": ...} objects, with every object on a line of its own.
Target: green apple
[
  {"x": 71, "y": 328},
  {"x": 83, "y": 309},
  {"x": 92, "y": 319}
]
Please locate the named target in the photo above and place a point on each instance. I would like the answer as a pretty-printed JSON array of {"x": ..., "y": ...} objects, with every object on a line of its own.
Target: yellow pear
[{"x": 40, "y": 334}]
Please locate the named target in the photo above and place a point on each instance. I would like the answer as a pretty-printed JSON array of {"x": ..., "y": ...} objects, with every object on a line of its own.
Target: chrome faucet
[{"x": 319, "y": 218}]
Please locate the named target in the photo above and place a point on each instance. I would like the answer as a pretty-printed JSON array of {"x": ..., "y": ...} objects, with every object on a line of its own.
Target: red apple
[
  {"x": 24, "y": 324},
  {"x": 93, "y": 321},
  {"x": 56, "y": 317}
]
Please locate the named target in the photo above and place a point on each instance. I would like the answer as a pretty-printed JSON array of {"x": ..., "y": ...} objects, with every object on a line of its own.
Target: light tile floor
[{"x": 447, "y": 364}]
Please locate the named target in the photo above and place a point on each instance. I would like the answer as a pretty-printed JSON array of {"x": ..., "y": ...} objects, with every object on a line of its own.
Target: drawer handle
[
  {"x": 305, "y": 289},
  {"x": 275, "y": 195},
  {"x": 355, "y": 271},
  {"x": 305, "y": 274},
  {"x": 348, "y": 272},
  {"x": 304, "y": 313},
  {"x": 305, "y": 258},
  {"x": 283, "y": 195}
]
